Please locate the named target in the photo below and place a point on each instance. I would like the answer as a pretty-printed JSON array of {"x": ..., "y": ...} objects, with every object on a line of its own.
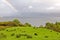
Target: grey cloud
[{"x": 22, "y": 7}]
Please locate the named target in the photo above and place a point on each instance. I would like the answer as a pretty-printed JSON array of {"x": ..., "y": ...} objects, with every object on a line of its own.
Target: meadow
[
  {"x": 28, "y": 33},
  {"x": 18, "y": 31}
]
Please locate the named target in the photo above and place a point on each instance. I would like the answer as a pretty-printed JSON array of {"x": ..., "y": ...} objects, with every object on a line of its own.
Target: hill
[{"x": 28, "y": 33}]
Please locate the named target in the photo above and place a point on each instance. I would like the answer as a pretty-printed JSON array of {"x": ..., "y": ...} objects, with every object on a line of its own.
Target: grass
[{"x": 28, "y": 33}]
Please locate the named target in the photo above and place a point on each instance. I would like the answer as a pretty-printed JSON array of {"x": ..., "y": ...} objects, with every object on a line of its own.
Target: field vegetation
[{"x": 15, "y": 30}]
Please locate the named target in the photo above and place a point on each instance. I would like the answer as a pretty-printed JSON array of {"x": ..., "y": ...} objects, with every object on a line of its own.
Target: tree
[
  {"x": 48, "y": 25},
  {"x": 16, "y": 21},
  {"x": 27, "y": 24},
  {"x": 41, "y": 26}
]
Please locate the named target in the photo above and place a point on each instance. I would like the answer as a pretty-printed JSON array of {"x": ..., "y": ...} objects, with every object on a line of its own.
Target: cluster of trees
[
  {"x": 53, "y": 26},
  {"x": 15, "y": 22}
]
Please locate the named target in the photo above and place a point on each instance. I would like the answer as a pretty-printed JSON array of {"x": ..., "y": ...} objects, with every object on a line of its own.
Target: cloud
[
  {"x": 10, "y": 5},
  {"x": 36, "y": 1},
  {"x": 30, "y": 7},
  {"x": 57, "y": 4},
  {"x": 54, "y": 7},
  {"x": 50, "y": 8},
  {"x": 41, "y": 6}
]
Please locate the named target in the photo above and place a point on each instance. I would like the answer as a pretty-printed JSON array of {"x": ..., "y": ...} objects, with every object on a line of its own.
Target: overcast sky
[{"x": 17, "y": 7}]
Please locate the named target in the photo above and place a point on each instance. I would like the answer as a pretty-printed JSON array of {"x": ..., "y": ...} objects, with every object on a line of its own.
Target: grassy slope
[{"x": 41, "y": 33}]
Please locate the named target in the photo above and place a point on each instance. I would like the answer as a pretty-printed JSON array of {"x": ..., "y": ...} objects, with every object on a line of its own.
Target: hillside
[{"x": 28, "y": 33}]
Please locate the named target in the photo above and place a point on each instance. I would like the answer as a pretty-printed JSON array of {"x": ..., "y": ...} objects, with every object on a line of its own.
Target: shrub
[
  {"x": 34, "y": 27},
  {"x": 57, "y": 33},
  {"x": 41, "y": 26},
  {"x": 46, "y": 36},
  {"x": 2, "y": 35},
  {"x": 2, "y": 29},
  {"x": 12, "y": 34},
  {"x": 23, "y": 34},
  {"x": 17, "y": 22},
  {"x": 18, "y": 36},
  {"x": 28, "y": 36},
  {"x": 7, "y": 30},
  {"x": 27, "y": 24},
  {"x": 50, "y": 31},
  {"x": 9, "y": 23},
  {"x": 35, "y": 34},
  {"x": 55, "y": 27}
]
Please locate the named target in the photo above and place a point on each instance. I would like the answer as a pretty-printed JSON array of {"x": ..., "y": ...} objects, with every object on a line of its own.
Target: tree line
[{"x": 14, "y": 23}]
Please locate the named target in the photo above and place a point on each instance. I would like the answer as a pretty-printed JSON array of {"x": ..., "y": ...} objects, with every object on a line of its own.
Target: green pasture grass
[{"x": 28, "y": 33}]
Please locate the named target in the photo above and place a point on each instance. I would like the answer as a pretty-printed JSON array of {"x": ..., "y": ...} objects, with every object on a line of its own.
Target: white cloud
[
  {"x": 36, "y": 1},
  {"x": 30, "y": 7},
  {"x": 10, "y": 5},
  {"x": 57, "y": 4},
  {"x": 50, "y": 8},
  {"x": 41, "y": 6}
]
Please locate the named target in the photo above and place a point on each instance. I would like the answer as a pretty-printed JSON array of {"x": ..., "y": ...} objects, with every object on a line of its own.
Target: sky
[{"x": 21, "y": 7}]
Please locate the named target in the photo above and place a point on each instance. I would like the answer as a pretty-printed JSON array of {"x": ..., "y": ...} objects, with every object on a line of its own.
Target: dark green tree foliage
[
  {"x": 41, "y": 26},
  {"x": 9, "y": 23},
  {"x": 18, "y": 22},
  {"x": 15, "y": 22},
  {"x": 55, "y": 27},
  {"x": 28, "y": 25},
  {"x": 48, "y": 25}
]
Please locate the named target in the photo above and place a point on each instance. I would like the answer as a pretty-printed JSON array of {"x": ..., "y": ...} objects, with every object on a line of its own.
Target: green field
[{"x": 28, "y": 33}]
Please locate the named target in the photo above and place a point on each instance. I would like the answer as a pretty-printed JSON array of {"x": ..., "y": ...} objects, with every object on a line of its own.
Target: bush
[
  {"x": 50, "y": 31},
  {"x": 28, "y": 36},
  {"x": 12, "y": 34},
  {"x": 35, "y": 34},
  {"x": 18, "y": 36},
  {"x": 16, "y": 21},
  {"x": 55, "y": 27},
  {"x": 2, "y": 35},
  {"x": 8, "y": 24},
  {"x": 27, "y": 24},
  {"x": 23, "y": 34},
  {"x": 41, "y": 26},
  {"x": 7, "y": 30},
  {"x": 46, "y": 36},
  {"x": 57, "y": 33}
]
